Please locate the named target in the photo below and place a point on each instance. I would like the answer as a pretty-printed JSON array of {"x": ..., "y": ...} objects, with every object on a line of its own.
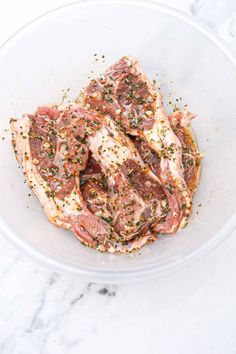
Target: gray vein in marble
[
  {"x": 36, "y": 323},
  {"x": 108, "y": 290},
  {"x": 73, "y": 302},
  {"x": 105, "y": 291},
  {"x": 80, "y": 296}
]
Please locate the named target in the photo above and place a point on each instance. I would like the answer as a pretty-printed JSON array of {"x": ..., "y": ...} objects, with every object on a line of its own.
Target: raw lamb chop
[
  {"x": 51, "y": 158},
  {"x": 51, "y": 146},
  {"x": 125, "y": 93},
  {"x": 135, "y": 191}
]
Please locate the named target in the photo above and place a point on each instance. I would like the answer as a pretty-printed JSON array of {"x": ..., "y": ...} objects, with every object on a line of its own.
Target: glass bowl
[{"x": 56, "y": 52}]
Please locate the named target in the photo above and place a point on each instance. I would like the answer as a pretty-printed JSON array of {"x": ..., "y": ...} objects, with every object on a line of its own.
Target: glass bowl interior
[{"x": 56, "y": 52}]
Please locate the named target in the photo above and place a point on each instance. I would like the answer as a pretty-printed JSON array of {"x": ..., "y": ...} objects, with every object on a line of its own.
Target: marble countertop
[{"x": 190, "y": 312}]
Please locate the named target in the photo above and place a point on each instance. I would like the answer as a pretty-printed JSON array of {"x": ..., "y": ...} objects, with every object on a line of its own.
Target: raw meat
[{"x": 125, "y": 93}]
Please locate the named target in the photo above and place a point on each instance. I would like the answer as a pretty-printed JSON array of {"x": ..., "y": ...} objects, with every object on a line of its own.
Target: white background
[{"x": 190, "y": 312}]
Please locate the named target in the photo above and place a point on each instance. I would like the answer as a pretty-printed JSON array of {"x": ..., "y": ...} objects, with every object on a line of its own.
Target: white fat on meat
[
  {"x": 108, "y": 150},
  {"x": 34, "y": 180}
]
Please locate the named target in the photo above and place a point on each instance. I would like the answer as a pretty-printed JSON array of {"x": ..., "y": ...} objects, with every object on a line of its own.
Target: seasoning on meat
[
  {"x": 137, "y": 108},
  {"x": 113, "y": 167}
]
